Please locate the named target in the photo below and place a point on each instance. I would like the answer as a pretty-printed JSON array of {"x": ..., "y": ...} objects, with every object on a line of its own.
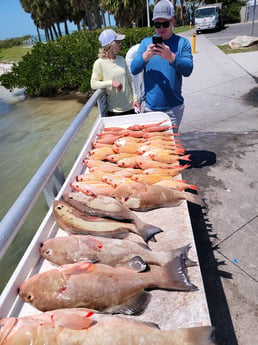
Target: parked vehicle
[{"x": 209, "y": 17}]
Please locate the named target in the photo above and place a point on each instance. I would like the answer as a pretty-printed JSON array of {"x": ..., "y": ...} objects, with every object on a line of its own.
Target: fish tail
[
  {"x": 203, "y": 335},
  {"x": 173, "y": 276},
  {"x": 193, "y": 186},
  {"x": 194, "y": 198},
  {"x": 148, "y": 232},
  {"x": 184, "y": 252},
  {"x": 185, "y": 166},
  {"x": 186, "y": 157}
]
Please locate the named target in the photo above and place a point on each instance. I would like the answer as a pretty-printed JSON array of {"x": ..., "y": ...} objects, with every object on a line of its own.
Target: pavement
[{"x": 220, "y": 130}]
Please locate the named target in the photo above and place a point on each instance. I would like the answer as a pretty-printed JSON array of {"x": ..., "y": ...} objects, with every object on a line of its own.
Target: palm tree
[
  {"x": 91, "y": 11},
  {"x": 125, "y": 11},
  {"x": 49, "y": 14},
  {"x": 27, "y": 5}
]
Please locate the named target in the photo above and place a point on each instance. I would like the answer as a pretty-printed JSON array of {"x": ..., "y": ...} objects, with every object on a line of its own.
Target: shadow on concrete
[
  {"x": 200, "y": 158},
  {"x": 251, "y": 97},
  {"x": 216, "y": 299},
  {"x": 211, "y": 274}
]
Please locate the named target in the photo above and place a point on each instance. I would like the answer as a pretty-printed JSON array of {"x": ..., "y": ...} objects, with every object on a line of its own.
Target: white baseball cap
[
  {"x": 108, "y": 36},
  {"x": 163, "y": 9}
]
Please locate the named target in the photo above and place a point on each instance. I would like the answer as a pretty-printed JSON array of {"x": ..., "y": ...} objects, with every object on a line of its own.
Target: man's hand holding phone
[
  {"x": 157, "y": 40},
  {"x": 162, "y": 49},
  {"x": 158, "y": 48}
]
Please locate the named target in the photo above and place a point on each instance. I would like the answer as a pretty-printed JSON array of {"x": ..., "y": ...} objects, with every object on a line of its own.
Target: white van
[{"x": 209, "y": 17}]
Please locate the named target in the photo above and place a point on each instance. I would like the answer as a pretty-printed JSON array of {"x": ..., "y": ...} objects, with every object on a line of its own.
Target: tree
[
  {"x": 49, "y": 14},
  {"x": 125, "y": 11},
  {"x": 91, "y": 11}
]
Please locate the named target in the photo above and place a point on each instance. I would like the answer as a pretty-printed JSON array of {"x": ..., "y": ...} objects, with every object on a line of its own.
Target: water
[{"x": 29, "y": 129}]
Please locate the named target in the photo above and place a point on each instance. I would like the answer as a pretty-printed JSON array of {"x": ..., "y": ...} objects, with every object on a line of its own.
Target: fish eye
[
  {"x": 29, "y": 298},
  {"x": 49, "y": 252}
]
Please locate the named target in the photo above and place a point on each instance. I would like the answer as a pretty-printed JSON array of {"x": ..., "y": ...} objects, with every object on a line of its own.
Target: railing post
[
  {"x": 102, "y": 104},
  {"x": 54, "y": 185}
]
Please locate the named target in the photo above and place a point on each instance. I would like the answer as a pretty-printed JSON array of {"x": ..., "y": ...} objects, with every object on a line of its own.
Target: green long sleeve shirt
[{"x": 104, "y": 72}]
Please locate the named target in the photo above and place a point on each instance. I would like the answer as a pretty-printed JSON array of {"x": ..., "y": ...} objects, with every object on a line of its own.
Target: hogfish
[{"x": 72, "y": 220}]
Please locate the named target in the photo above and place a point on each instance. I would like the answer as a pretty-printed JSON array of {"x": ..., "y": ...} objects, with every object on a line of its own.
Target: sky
[{"x": 15, "y": 22}]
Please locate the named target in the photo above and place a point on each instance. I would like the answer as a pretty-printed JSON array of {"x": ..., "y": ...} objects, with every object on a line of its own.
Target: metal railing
[{"x": 49, "y": 177}]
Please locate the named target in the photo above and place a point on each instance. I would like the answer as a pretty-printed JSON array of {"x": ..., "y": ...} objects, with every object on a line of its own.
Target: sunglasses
[{"x": 159, "y": 24}]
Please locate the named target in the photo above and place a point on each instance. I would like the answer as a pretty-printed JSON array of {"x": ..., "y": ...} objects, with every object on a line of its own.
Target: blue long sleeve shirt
[{"x": 162, "y": 80}]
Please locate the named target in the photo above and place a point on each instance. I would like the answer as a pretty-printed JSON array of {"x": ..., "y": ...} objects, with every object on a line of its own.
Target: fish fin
[
  {"x": 92, "y": 242},
  {"x": 143, "y": 245},
  {"x": 118, "y": 217},
  {"x": 151, "y": 324},
  {"x": 149, "y": 231},
  {"x": 120, "y": 236},
  {"x": 134, "y": 305},
  {"x": 77, "y": 268},
  {"x": 137, "y": 264},
  {"x": 75, "y": 322},
  {"x": 148, "y": 324},
  {"x": 194, "y": 198},
  {"x": 173, "y": 275},
  {"x": 184, "y": 252},
  {"x": 203, "y": 335}
]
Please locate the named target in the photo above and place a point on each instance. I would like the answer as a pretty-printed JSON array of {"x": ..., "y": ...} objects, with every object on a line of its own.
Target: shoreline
[{"x": 66, "y": 95}]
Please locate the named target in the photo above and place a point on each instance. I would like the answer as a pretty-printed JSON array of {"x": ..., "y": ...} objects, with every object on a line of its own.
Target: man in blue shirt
[{"x": 164, "y": 64}]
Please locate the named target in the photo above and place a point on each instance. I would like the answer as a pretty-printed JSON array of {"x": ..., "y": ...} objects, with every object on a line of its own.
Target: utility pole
[
  {"x": 253, "y": 18},
  {"x": 148, "y": 13}
]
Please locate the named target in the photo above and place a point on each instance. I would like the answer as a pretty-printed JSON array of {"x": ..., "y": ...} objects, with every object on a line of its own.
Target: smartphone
[{"x": 156, "y": 39}]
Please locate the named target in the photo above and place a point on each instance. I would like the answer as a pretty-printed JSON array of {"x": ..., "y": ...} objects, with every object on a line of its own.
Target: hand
[
  {"x": 164, "y": 51},
  {"x": 149, "y": 52},
  {"x": 137, "y": 107},
  {"x": 117, "y": 85}
]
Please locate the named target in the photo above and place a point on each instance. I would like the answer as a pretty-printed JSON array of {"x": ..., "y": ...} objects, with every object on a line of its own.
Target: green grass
[
  {"x": 178, "y": 29},
  {"x": 227, "y": 50},
  {"x": 13, "y": 54}
]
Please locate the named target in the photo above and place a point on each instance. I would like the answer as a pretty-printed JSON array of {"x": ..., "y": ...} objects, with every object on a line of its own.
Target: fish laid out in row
[
  {"x": 86, "y": 327},
  {"x": 100, "y": 269},
  {"x": 138, "y": 196},
  {"x": 131, "y": 160},
  {"x": 114, "y": 252},
  {"x": 103, "y": 287}
]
